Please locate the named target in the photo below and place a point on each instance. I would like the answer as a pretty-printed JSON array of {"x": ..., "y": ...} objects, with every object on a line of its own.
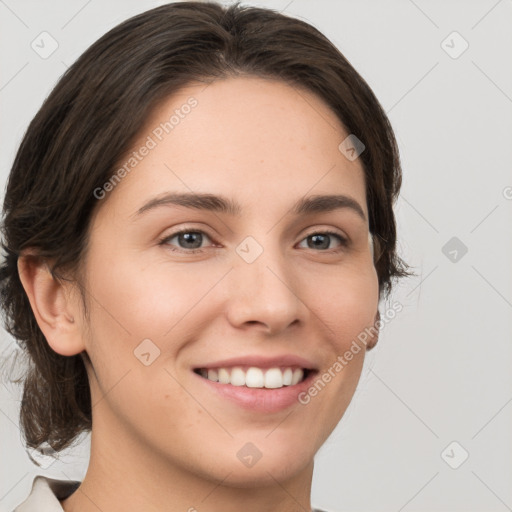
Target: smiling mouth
[{"x": 254, "y": 377}]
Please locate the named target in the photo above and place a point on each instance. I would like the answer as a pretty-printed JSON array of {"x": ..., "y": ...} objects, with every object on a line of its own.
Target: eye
[
  {"x": 321, "y": 240},
  {"x": 190, "y": 241}
]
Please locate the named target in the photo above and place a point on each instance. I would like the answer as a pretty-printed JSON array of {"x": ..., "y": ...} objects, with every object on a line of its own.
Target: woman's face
[{"x": 261, "y": 287}]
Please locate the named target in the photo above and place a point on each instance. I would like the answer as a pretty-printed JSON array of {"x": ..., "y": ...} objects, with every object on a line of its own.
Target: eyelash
[{"x": 164, "y": 241}]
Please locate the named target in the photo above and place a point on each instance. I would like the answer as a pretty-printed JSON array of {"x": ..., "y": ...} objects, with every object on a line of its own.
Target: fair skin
[{"x": 162, "y": 439}]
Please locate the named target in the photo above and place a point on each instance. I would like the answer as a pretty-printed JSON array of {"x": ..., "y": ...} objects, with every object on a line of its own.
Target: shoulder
[{"x": 46, "y": 493}]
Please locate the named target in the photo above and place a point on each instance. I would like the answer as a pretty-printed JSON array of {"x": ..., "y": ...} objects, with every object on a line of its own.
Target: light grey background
[{"x": 441, "y": 371}]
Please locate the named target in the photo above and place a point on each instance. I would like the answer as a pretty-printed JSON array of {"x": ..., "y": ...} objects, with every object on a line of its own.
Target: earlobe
[
  {"x": 374, "y": 338},
  {"x": 51, "y": 303}
]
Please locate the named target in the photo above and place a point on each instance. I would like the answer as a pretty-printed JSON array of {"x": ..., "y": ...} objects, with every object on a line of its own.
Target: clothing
[{"x": 46, "y": 493}]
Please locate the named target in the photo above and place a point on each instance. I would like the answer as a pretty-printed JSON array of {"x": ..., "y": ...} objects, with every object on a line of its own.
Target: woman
[{"x": 198, "y": 229}]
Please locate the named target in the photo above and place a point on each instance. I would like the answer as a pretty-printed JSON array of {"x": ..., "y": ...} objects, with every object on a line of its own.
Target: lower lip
[{"x": 260, "y": 399}]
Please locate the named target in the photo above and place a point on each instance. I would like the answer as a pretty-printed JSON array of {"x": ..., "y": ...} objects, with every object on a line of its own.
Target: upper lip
[{"x": 261, "y": 362}]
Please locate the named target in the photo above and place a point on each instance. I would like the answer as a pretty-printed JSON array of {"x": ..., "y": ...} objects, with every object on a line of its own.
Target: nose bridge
[{"x": 263, "y": 290}]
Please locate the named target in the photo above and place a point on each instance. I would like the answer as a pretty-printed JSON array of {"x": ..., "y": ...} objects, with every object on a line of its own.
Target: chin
[
  {"x": 265, "y": 474},
  {"x": 241, "y": 471}
]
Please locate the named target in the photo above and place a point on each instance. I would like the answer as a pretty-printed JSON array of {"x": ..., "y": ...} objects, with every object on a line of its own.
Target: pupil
[
  {"x": 324, "y": 245},
  {"x": 188, "y": 238}
]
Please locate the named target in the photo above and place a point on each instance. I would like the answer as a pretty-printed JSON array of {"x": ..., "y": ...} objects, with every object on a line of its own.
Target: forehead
[{"x": 259, "y": 140}]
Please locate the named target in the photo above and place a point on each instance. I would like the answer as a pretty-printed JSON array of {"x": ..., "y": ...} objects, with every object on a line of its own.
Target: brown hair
[{"x": 91, "y": 118}]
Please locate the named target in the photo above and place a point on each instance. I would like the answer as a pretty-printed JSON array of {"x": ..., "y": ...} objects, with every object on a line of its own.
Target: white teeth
[
  {"x": 274, "y": 378},
  {"x": 237, "y": 377},
  {"x": 223, "y": 376},
  {"x": 297, "y": 376},
  {"x": 254, "y": 377}
]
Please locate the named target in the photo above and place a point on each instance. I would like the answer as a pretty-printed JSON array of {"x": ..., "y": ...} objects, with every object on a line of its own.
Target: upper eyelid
[{"x": 193, "y": 229}]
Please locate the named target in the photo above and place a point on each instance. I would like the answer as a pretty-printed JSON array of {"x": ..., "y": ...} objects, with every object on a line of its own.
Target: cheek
[
  {"x": 141, "y": 318},
  {"x": 146, "y": 301},
  {"x": 345, "y": 302},
  {"x": 138, "y": 324}
]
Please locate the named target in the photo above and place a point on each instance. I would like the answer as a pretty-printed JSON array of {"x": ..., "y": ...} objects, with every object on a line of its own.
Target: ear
[
  {"x": 374, "y": 338},
  {"x": 52, "y": 302}
]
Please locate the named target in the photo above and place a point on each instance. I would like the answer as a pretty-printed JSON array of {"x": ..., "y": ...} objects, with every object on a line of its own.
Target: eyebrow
[{"x": 210, "y": 202}]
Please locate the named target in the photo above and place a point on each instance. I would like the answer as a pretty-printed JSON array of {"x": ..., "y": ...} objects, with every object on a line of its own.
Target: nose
[{"x": 265, "y": 293}]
